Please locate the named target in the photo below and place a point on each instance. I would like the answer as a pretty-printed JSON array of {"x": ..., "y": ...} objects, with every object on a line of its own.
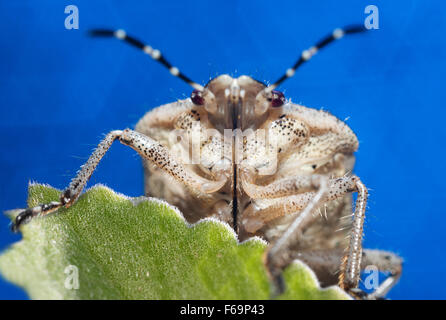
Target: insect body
[{"x": 239, "y": 151}]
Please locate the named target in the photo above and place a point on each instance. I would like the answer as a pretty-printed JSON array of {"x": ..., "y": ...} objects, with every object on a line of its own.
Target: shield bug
[{"x": 239, "y": 151}]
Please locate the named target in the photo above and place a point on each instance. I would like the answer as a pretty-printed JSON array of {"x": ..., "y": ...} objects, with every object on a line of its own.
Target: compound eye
[
  {"x": 197, "y": 97},
  {"x": 277, "y": 99}
]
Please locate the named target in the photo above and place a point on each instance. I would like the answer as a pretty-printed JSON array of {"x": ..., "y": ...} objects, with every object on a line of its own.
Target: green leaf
[{"x": 140, "y": 248}]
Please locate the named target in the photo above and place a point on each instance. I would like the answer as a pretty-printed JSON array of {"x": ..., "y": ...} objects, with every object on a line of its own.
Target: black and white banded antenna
[
  {"x": 155, "y": 54},
  {"x": 310, "y": 52}
]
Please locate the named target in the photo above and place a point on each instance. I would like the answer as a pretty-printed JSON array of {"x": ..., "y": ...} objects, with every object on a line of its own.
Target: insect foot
[
  {"x": 275, "y": 264},
  {"x": 27, "y": 214}
]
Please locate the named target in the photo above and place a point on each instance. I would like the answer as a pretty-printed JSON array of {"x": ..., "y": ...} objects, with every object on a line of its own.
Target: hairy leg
[
  {"x": 280, "y": 254},
  {"x": 146, "y": 147},
  {"x": 255, "y": 217}
]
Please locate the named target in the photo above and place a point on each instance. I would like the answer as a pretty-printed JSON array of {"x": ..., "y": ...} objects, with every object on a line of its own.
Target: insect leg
[
  {"x": 75, "y": 187},
  {"x": 351, "y": 263},
  {"x": 146, "y": 147},
  {"x": 278, "y": 255},
  {"x": 281, "y": 188},
  {"x": 293, "y": 196}
]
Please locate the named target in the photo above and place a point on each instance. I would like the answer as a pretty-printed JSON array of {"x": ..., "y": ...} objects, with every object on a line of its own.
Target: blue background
[{"x": 60, "y": 91}]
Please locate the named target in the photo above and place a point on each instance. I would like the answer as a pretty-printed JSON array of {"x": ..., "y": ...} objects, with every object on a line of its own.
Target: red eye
[
  {"x": 197, "y": 97},
  {"x": 277, "y": 99}
]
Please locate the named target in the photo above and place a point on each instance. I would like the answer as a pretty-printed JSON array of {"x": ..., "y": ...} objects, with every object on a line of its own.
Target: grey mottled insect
[{"x": 266, "y": 166}]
